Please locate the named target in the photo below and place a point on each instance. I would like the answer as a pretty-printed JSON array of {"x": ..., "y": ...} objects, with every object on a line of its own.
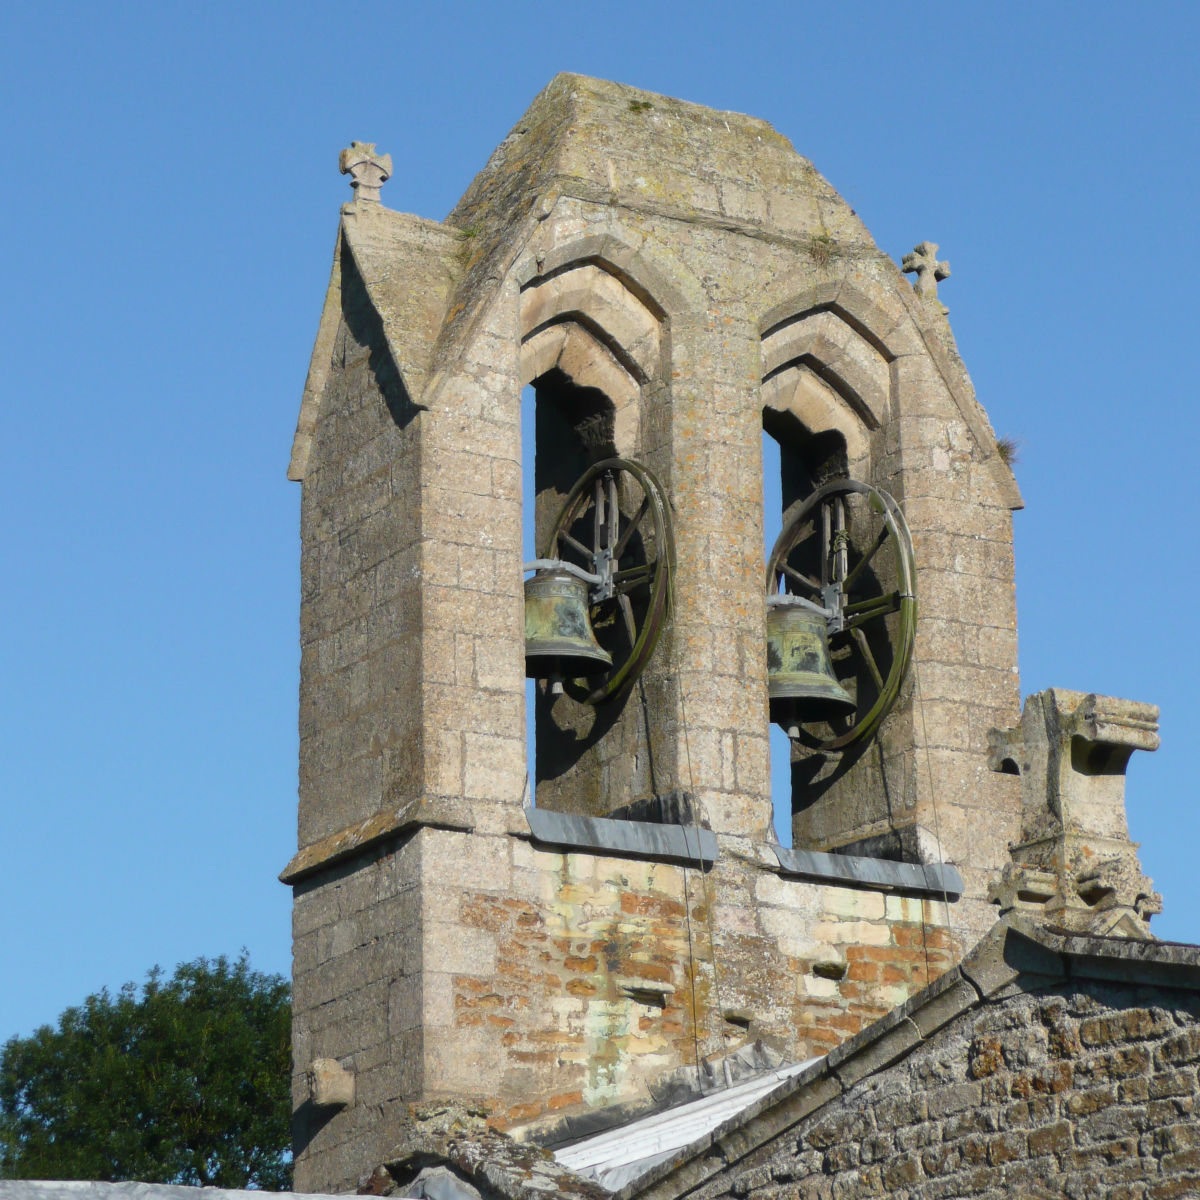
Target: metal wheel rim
[
  {"x": 883, "y": 505},
  {"x": 657, "y": 507}
]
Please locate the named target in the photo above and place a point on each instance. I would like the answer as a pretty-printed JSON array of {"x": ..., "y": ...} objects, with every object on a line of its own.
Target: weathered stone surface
[
  {"x": 1074, "y": 862},
  {"x": 368, "y": 171},
  {"x": 331, "y": 1085},
  {"x": 923, "y": 262},
  {"x": 672, "y": 282},
  {"x": 1042, "y": 1092}
]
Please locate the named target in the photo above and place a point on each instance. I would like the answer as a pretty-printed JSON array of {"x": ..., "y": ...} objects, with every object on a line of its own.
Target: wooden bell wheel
[
  {"x": 616, "y": 524},
  {"x": 848, "y": 549}
]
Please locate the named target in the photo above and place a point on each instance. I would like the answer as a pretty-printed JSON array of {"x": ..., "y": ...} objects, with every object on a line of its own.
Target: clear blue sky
[{"x": 170, "y": 206}]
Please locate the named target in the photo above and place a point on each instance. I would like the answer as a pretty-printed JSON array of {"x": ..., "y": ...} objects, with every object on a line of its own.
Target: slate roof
[{"x": 621, "y": 1156}]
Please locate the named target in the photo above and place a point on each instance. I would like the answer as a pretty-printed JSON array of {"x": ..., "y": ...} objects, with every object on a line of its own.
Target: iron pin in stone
[
  {"x": 368, "y": 171},
  {"x": 923, "y": 262}
]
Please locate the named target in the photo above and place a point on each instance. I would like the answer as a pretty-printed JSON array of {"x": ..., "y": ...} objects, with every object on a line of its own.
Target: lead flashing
[
  {"x": 686, "y": 844},
  {"x": 939, "y": 880}
]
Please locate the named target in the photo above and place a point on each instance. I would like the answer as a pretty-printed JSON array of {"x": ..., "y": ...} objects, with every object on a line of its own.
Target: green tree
[{"x": 184, "y": 1082}]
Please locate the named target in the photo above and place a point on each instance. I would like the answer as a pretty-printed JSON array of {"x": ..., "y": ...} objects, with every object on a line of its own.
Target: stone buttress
[{"x": 670, "y": 282}]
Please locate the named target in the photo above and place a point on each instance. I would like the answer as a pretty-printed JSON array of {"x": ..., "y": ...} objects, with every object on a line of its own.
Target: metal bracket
[{"x": 558, "y": 564}]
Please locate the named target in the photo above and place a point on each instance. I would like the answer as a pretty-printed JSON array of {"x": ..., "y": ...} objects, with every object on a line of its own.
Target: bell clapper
[{"x": 555, "y": 685}]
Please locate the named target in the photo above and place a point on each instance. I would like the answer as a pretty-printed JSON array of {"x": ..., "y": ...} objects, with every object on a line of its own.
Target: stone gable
[{"x": 666, "y": 285}]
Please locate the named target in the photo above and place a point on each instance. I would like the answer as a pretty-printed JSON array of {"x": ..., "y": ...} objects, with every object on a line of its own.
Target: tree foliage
[{"x": 185, "y": 1081}]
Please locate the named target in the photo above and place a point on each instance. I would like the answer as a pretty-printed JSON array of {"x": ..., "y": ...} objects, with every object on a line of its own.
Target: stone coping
[
  {"x": 385, "y": 823},
  {"x": 684, "y": 844}
]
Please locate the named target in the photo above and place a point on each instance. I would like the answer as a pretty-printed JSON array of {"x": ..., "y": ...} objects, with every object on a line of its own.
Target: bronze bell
[
  {"x": 559, "y": 643},
  {"x": 801, "y": 685}
]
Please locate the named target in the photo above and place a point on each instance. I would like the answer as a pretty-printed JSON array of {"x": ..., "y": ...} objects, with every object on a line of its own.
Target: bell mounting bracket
[{"x": 614, "y": 532}]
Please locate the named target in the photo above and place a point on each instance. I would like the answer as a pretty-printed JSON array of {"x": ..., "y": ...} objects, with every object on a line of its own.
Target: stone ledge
[
  {"x": 686, "y": 844},
  {"x": 1120, "y": 959},
  {"x": 938, "y": 880},
  {"x": 440, "y": 813}
]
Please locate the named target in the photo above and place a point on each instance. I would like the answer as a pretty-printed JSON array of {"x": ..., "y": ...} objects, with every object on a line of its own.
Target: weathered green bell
[
  {"x": 559, "y": 642},
  {"x": 801, "y": 685}
]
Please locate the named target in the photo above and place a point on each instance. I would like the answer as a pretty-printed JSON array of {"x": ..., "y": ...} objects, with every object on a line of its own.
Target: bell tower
[{"x": 614, "y": 923}]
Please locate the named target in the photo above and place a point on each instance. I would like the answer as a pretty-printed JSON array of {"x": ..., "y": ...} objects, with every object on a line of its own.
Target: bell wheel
[
  {"x": 615, "y": 524},
  {"x": 847, "y": 550}
]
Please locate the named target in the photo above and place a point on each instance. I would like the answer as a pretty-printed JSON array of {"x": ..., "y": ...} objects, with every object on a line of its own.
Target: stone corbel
[{"x": 330, "y": 1085}]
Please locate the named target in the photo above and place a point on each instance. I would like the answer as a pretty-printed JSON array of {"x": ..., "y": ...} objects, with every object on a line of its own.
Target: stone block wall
[
  {"x": 539, "y": 984},
  {"x": 361, "y": 635},
  {"x": 696, "y": 271},
  {"x": 469, "y": 515},
  {"x": 692, "y": 321},
  {"x": 357, "y": 970},
  {"x": 1080, "y": 1091}
]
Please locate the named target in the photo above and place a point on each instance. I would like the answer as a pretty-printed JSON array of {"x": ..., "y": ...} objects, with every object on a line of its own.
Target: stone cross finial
[
  {"x": 923, "y": 261},
  {"x": 1074, "y": 864},
  {"x": 368, "y": 171}
]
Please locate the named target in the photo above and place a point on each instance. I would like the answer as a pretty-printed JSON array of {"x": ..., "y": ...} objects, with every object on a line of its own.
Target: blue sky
[{"x": 170, "y": 208}]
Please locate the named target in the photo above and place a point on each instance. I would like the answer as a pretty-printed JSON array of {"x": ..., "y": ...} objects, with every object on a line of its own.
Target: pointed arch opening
[
  {"x": 590, "y": 354},
  {"x": 796, "y": 461}
]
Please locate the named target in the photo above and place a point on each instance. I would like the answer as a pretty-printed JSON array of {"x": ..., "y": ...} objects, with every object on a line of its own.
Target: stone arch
[
  {"x": 587, "y": 295},
  {"x": 881, "y": 321},
  {"x": 657, "y": 278},
  {"x": 821, "y": 367},
  {"x": 583, "y": 321},
  {"x": 598, "y": 308},
  {"x": 571, "y": 347}
]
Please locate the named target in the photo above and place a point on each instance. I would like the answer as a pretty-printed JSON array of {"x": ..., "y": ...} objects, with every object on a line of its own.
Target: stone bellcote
[{"x": 665, "y": 284}]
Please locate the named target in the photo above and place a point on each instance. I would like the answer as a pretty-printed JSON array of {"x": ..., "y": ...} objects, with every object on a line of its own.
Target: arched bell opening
[
  {"x": 802, "y": 460},
  {"x": 573, "y": 428},
  {"x": 592, "y": 352},
  {"x": 815, "y": 683},
  {"x": 824, "y": 370},
  {"x": 589, "y": 736},
  {"x": 565, "y": 429},
  {"x": 841, "y": 611}
]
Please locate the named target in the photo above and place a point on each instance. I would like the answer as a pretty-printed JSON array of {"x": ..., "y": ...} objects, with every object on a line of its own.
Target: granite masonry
[{"x": 556, "y": 945}]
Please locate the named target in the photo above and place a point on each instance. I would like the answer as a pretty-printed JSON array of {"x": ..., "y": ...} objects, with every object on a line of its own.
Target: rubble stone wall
[
  {"x": 596, "y": 976},
  {"x": 1080, "y": 1091}
]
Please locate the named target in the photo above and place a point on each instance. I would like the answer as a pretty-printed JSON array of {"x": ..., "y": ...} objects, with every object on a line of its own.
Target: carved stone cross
[
  {"x": 923, "y": 261},
  {"x": 368, "y": 171}
]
